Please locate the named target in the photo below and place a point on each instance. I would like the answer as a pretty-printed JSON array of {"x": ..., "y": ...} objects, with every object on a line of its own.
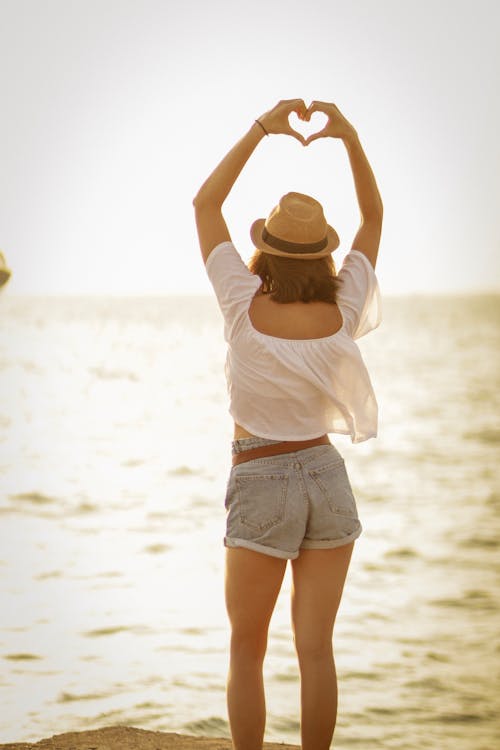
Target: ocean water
[{"x": 114, "y": 453}]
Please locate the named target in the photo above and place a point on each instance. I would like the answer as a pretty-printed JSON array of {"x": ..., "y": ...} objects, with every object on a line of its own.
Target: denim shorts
[{"x": 279, "y": 505}]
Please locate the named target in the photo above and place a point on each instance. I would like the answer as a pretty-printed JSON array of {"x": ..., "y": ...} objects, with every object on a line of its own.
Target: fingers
[
  {"x": 331, "y": 111},
  {"x": 295, "y": 134},
  {"x": 315, "y": 137},
  {"x": 296, "y": 105},
  {"x": 315, "y": 106},
  {"x": 298, "y": 136},
  {"x": 301, "y": 109},
  {"x": 326, "y": 107},
  {"x": 277, "y": 119}
]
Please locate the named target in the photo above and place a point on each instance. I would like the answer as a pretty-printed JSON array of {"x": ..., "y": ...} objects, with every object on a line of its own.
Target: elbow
[
  {"x": 203, "y": 200},
  {"x": 200, "y": 198},
  {"x": 197, "y": 200},
  {"x": 377, "y": 206}
]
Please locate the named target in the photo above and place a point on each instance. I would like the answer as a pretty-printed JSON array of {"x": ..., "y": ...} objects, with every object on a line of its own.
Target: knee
[
  {"x": 248, "y": 645},
  {"x": 313, "y": 649}
]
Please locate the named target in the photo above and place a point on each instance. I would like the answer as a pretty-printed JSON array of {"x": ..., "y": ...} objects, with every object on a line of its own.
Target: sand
[{"x": 128, "y": 738}]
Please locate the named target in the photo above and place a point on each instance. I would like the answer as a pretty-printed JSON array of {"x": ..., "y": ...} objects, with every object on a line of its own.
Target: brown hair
[{"x": 290, "y": 280}]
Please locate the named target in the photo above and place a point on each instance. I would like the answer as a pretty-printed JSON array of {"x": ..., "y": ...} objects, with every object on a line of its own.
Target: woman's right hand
[
  {"x": 337, "y": 125},
  {"x": 276, "y": 120}
]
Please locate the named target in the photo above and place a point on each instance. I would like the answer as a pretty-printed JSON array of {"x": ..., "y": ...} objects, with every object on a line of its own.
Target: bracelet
[{"x": 262, "y": 126}]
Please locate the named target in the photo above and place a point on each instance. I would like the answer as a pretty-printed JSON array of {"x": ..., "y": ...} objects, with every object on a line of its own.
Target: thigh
[
  {"x": 253, "y": 582},
  {"x": 318, "y": 582}
]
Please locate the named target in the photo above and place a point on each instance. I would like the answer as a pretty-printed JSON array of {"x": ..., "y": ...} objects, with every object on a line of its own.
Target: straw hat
[{"x": 295, "y": 228}]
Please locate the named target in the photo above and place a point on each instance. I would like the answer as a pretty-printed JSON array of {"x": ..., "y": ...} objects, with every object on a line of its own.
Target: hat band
[{"x": 290, "y": 247}]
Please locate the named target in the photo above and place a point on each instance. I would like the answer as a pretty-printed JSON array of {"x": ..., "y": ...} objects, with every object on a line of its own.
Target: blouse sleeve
[
  {"x": 233, "y": 283},
  {"x": 359, "y": 297}
]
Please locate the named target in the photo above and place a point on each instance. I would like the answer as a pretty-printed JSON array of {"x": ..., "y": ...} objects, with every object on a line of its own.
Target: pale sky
[{"x": 115, "y": 111}]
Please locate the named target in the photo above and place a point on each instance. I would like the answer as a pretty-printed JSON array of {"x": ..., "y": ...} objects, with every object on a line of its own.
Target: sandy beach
[{"x": 128, "y": 738}]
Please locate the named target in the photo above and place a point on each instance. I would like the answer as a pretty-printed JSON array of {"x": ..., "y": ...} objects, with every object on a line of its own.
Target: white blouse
[{"x": 297, "y": 389}]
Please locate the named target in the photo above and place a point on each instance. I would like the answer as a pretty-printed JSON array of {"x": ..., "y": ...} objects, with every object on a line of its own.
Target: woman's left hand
[{"x": 276, "y": 120}]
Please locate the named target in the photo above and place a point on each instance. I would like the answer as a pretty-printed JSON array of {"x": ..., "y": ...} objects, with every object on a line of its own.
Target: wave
[
  {"x": 184, "y": 471},
  {"x": 73, "y": 697},
  {"x": 432, "y": 684},
  {"x": 114, "y": 630},
  {"x": 404, "y": 552},
  {"x": 462, "y": 718},
  {"x": 37, "y": 498},
  {"x": 360, "y": 675},
  {"x": 102, "y": 373},
  {"x": 22, "y": 657},
  {"x": 214, "y": 726},
  {"x": 473, "y": 599},
  {"x": 157, "y": 549},
  {"x": 488, "y": 436},
  {"x": 481, "y": 542}
]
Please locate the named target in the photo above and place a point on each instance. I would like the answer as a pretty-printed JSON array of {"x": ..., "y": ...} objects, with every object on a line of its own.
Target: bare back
[{"x": 294, "y": 320}]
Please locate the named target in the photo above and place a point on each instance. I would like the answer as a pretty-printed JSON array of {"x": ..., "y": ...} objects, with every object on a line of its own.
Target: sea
[{"x": 114, "y": 457}]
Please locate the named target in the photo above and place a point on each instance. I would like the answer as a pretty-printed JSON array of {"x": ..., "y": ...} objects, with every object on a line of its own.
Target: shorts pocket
[
  {"x": 334, "y": 485},
  {"x": 261, "y": 499}
]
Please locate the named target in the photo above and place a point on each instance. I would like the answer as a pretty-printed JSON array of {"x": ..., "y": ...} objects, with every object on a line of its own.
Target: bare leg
[
  {"x": 318, "y": 582},
  {"x": 253, "y": 581}
]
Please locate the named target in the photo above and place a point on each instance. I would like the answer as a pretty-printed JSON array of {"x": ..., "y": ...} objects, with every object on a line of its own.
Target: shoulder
[
  {"x": 358, "y": 296},
  {"x": 225, "y": 260},
  {"x": 229, "y": 275},
  {"x": 357, "y": 258},
  {"x": 223, "y": 252},
  {"x": 357, "y": 270}
]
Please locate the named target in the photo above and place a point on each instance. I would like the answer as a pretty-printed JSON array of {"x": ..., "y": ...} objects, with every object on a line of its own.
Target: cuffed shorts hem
[
  {"x": 331, "y": 544},
  {"x": 272, "y": 551},
  {"x": 306, "y": 544}
]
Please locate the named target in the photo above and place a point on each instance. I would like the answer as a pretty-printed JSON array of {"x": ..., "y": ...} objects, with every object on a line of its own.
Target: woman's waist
[
  {"x": 251, "y": 448},
  {"x": 277, "y": 434}
]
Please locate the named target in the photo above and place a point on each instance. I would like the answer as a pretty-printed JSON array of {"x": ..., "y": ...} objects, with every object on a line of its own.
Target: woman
[{"x": 294, "y": 375}]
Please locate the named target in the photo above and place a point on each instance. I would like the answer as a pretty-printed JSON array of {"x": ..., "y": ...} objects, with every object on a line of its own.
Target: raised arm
[
  {"x": 367, "y": 238},
  {"x": 210, "y": 223}
]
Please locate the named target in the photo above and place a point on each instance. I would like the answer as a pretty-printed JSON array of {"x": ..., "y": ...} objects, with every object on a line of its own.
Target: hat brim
[{"x": 256, "y": 230}]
